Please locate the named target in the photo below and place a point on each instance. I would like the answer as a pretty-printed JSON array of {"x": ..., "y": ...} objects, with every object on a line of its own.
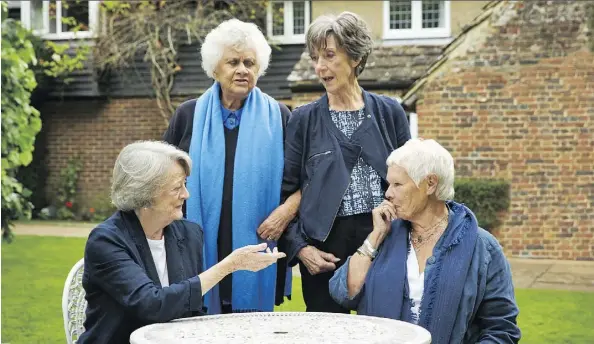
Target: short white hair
[
  {"x": 234, "y": 33},
  {"x": 420, "y": 158},
  {"x": 141, "y": 170}
]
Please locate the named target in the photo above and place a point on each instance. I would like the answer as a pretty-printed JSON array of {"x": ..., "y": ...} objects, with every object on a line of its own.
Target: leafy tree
[{"x": 20, "y": 120}]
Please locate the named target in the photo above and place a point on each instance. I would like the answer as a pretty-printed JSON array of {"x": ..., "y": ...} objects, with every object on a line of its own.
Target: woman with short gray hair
[
  {"x": 427, "y": 261},
  {"x": 335, "y": 153},
  {"x": 144, "y": 264},
  {"x": 234, "y": 134}
]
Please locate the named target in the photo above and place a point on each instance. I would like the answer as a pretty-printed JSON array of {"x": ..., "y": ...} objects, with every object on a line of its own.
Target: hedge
[{"x": 487, "y": 198}]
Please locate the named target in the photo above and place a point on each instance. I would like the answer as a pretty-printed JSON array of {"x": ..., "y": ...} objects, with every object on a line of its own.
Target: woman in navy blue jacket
[
  {"x": 427, "y": 261},
  {"x": 144, "y": 264},
  {"x": 335, "y": 153}
]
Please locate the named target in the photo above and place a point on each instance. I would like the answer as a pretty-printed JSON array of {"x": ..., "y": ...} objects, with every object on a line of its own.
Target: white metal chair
[{"x": 74, "y": 303}]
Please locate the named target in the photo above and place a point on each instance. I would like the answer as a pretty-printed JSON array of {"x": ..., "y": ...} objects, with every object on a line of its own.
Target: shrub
[
  {"x": 485, "y": 197},
  {"x": 67, "y": 202},
  {"x": 20, "y": 120}
]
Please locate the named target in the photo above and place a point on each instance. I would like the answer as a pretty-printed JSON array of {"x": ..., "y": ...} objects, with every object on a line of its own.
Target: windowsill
[
  {"x": 416, "y": 41},
  {"x": 418, "y": 33},
  {"x": 68, "y": 35},
  {"x": 279, "y": 40}
]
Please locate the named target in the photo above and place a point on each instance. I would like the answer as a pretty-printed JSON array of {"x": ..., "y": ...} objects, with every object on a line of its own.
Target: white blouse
[
  {"x": 416, "y": 283},
  {"x": 160, "y": 258}
]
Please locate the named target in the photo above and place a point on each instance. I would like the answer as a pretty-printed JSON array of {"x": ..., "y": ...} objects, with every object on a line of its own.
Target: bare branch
[{"x": 157, "y": 32}]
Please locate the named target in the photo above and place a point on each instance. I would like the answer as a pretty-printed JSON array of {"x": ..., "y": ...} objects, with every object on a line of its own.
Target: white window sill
[
  {"x": 67, "y": 35},
  {"x": 416, "y": 41},
  {"x": 279, "y": 40},
  {"x": 415, "y": 34}
]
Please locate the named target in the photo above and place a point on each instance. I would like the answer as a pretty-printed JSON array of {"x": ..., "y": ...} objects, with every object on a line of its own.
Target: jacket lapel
[
  {"x": 452, "y": 269},
  {"x": 386, "y": 280},
  {"x": 139, "y": 238},
  {"x": 174, "y": 246}
]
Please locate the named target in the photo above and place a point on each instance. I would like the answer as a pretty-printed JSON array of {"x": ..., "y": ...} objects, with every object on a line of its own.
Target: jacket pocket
[{"x": 311, "y": 165}]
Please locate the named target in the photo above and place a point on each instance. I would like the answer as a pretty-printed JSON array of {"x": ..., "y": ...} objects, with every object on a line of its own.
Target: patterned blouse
[{"x": 365, "y": 190}]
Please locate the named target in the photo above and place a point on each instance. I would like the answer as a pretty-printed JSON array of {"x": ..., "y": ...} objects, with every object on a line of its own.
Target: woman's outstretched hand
[{"x": 253, "y": 257}]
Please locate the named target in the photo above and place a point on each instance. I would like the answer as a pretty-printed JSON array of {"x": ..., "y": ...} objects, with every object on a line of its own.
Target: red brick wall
[
  {"x": 519, "y": 105},
  {"x": 96, "y": 131}
]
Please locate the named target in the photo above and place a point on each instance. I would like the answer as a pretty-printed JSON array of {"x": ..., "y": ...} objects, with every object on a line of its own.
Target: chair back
[{"x": 74, "y": 303}]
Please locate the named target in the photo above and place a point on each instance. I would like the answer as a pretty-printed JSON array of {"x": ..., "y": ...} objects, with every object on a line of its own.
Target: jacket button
[
  {"x": 431, "y": 260},
  {"x": 368, "y": 116}
]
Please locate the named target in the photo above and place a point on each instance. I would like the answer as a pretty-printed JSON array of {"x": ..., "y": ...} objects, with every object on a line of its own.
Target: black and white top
[{"x": 365, "y": 190}]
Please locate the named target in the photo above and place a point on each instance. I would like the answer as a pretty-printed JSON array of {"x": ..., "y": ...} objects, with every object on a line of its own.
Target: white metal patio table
[{"x": 282, "y": 328}]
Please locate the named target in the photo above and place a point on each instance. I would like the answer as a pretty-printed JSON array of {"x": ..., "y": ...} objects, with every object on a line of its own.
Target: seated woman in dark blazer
[{"x": 144, "y": 264}]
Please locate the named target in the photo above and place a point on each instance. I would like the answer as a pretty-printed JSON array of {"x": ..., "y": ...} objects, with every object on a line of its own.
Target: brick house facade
[
  {"x": 95, "y": 130},
  {"x": 513, "y": 98}
]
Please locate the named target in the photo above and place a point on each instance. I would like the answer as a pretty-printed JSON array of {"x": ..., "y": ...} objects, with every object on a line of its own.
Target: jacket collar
[{"x": 174, "y": 246}]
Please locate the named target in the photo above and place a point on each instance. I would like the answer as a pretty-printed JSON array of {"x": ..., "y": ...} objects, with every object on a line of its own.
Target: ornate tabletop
[{"x": 282, "y": 328}]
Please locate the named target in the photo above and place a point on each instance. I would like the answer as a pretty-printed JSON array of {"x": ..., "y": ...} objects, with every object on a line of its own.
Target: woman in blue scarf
[
  {"x": 427, "y": 261},
  {"x": 234, "y": 134}
]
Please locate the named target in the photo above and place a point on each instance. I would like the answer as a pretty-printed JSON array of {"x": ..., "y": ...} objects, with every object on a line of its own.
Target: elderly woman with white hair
[
  {"x": 427, "y": 261},
  {"x": 144, "y": 264},
  {"x": 234, "y": 134}
]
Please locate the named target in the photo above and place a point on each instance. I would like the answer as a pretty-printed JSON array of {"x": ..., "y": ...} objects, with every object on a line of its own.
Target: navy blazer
[
  {"x": 122, "y": 286},
  {"x": 319, "y": 160}
]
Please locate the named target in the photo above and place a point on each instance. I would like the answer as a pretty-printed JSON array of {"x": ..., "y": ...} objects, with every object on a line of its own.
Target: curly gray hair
[
  {"x": 350, "y": 31},
  {"x": 141, "y": 170},
  {"x": 234, "y": 33}
]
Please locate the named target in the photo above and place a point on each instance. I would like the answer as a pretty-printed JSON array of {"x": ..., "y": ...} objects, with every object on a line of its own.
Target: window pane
[
  {"x": 278, "y": 19},
  {"x": 433, "y": 12},
  {"x": 14, "y": 13},
  {"x": 400, "y": 14},
  {"x": 75, "y": 14},
  {"x": 36, "y": 15},
  {"x": 299, "y": 18},
  {"x": 52, "y": 16}
]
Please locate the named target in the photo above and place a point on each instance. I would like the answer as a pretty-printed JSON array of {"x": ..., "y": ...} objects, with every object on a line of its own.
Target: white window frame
[
  {"x": 93, "y": 21},
  {"x": 13, "y": 4},
  {"x": 417, "y": 31},
  {"x": 288, "y": 24},
  {"x": 413, "y": 120}
]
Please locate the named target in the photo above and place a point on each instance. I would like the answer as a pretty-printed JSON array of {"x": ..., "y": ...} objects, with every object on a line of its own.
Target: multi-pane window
[
  {"x": 287, "y": 21},
  {"x": 406, "y": 19},
  {"x": 432, "y": 14},
  {"x": 299, "y": 18},
  {"x": 278, "y": 22},
  {"x": 60, "y": 19},
  {"x": 400, "y": 15}
]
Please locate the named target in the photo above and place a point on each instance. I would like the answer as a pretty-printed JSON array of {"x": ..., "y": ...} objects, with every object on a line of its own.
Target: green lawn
[
  {"x": 34, "y": 270},
  {"x": 57, "y": 223}
]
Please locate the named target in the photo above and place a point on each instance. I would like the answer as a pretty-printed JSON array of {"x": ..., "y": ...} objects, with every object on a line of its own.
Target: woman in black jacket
[
  {"x": 335, "y": 153},
  {"x": 144, "y": 264}
]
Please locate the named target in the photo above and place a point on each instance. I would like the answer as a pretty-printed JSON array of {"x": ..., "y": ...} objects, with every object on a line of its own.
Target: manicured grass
[
  {"x": 34, "y": 269},
  {"x": 551, "y": 316},
  {"x": 57, "y": 223},
  {"x": 33, "y": 273}
]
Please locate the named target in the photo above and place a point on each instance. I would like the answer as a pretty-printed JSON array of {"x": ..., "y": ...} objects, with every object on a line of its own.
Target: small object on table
[{"x": 282, "y": 327}]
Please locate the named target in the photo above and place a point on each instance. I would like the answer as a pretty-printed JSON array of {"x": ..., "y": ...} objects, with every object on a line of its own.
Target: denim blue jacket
[
  {"x": 122, "y": 285},
  {"x": 468, "y": 294}
]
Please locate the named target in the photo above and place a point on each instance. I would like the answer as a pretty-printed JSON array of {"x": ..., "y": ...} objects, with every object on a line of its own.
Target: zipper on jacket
[{"x": 318, "y": 154}]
